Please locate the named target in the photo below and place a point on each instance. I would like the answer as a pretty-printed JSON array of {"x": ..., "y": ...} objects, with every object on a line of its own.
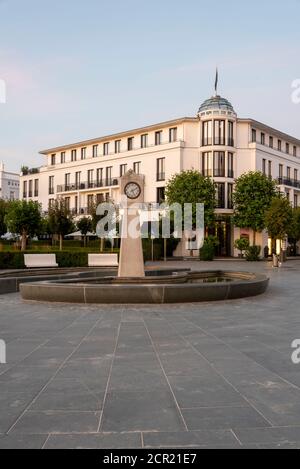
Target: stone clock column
[{"x": 131, "y": 263}]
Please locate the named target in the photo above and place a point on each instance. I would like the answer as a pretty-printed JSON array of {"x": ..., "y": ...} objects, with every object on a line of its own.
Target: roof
[
  {"x": 119, "y": 135},
  {"x": 270, "y": 130}
]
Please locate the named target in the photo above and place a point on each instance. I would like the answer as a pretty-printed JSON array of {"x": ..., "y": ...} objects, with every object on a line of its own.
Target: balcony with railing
[
  {"x": 219, "y": 141},
  {"x": 88, "y": 185},
  {"x": 288, "y": 182}
]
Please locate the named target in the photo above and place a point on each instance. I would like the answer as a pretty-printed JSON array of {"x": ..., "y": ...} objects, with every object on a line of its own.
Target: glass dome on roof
[{"x": 216, "y": 103}]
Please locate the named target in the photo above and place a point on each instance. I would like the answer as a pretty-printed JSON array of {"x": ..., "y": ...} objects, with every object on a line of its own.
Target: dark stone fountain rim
[{"x": 156, "y": 290}]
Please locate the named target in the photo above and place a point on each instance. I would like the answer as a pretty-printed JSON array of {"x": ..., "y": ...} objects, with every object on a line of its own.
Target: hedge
[{"x": 15, "y": 259}]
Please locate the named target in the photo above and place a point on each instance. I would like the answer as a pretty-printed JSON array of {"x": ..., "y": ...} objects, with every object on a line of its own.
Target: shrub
[
  {"x": 252, "y": 253},
  {"x": 207, "y": 252}
]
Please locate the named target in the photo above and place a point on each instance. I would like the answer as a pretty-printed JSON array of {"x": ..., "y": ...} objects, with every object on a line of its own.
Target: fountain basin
[{"x": 156, "y": 288}]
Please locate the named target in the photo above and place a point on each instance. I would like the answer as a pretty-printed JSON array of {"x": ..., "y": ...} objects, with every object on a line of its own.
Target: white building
[
  {"x": 216, "y": 142},
  {"x": 9, "y": 184}
]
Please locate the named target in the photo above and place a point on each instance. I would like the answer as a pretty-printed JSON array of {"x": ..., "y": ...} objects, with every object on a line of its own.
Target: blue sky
[{"x": 81, "y": 69}]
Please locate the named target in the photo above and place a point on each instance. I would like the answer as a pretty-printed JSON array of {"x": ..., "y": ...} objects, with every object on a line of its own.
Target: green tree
[
  {"x": 60, "y": 220},
  {"x": 252, "y": 197},
  {"x": 23, "y": 218},
  {"x": 294, "y": 229},
  {"x": 279, "y": 218},
  {"x": 191, "y": 187},
  {"x": 3, "y": 211},
  {"x": 242, "y": 245},
  {"x": 84, "y": 225}
]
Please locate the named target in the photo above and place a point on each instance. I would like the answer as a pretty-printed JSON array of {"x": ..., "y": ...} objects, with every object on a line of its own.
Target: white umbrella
[
  {"x": 78, "y": 234},
  {"x": 9, "y": 236}
]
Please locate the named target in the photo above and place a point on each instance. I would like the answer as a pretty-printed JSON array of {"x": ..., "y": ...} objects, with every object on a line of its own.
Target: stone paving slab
[{"x": 211, "y": 375}]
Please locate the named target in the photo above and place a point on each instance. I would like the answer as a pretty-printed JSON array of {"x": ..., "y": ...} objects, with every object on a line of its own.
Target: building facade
[
  {"x": 9, "y": 184},
  {"x": 216, "y": 142}
]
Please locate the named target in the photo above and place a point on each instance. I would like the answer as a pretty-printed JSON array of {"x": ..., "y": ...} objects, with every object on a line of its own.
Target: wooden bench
[
  {"x": 103, "y": 260},
  {"x": 40, "y": 260}
]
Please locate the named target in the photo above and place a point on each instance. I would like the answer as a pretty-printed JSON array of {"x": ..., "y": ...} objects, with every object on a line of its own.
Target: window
[
  {"x": 160, "y": 169},
  {"x": 123, "y": 169},
  {"x": 230, "y": 196},
  {"x": 287, "y": 148},
  {"x": 130, "y": 141},
  {"x": 219, "y": 164},
  {"x": 77, "y": 179},
  {"x": 294, "y": 151},
  {"x": 144, "y": 141},
  {"x": 270, "y": 169},
  {"x": 253, "y": 138},
  {"x": 207, "y": 133},
  {"x": 63, "y": 157},
  {"x": 90, "y": 177},
  {"x": 51, "y": 203},
  {"x": 230, "y": 134},
  {"x": 106, "y": 149},
  {"x": 24, "y": 189},
  {"x": 207, "y": 164},
  {"x": 173, "y": 134},
  {"x": 230, "y": 165},
  {"x": 30, "y": 189},
  {"x": 296, "y": 175},
  {"x": 67, "y": 181},
  {"x": 118, "y": 146},
  {"x": 288, "y": 173},
  {"x": 295, "y": 201},
  {"x": 271, "y": 142},
  {"x": 53, "y": 159},
  {"x": 280, "y": 171},
  {"x": 109, "y": 175},
  {"x": 36, "y": 188},
  {"x": 279, "y": 145},
  {"x": 160, "y": 195},
  {"x": 90, "y": 202},
  {"x": 51, "y": 185},
  {"x": 100, "y": 177},
  {"x": 262, "y": 138},
  {"x": 76, "y": 205},
  {"x": 73, "y": 155},
  {"x": 220, "y": 194},
  {"x": 158, "y": 137},
  {"x": 95, "y": 151},
  {"x": 68, "y": 203},
  {"x": 219, "y": 132},
  {"x": 264, "y": 166},
  {"x": 288, "y": 195},
  {"x": 137, "y": 167},
  {"x": 83, "y": 153}
]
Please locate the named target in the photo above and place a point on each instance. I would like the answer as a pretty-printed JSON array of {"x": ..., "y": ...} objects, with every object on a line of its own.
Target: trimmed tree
[
  {"x": 24, "y": 218},
  {"x": 3, "y": 211},
  {"x": 84, "y": 225},
  {"x": 294, "y": 229},
  {"x": 191, "y": 187},
  {"x": 252, "y": 197},
  {"x": 60, "y": 220},
  {"x": 279, "y": 218}
]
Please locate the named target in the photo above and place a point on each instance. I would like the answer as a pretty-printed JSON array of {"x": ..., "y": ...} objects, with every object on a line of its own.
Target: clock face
[{"x": 132, "y": 190}]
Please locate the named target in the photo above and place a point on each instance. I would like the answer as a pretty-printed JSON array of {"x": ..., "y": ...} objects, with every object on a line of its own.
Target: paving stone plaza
[{"x": 211, "y": 375}]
